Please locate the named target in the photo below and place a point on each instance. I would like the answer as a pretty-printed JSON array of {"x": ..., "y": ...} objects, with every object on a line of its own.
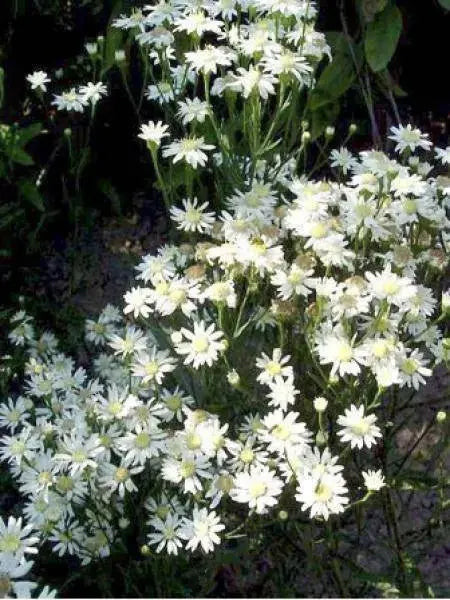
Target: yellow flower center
[
  {"x": 247, "y": 455},
  {"x": 121, "y": 474},
  {"x": 200, "y": 344},
  {"x": 187, "y": 469},
  {"x": 257, "y": 489},
  {"x": 142, "y": 440},
  {"x": 323, "y": 492}
]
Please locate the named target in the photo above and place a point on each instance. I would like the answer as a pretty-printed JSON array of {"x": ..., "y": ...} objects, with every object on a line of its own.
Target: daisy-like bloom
[
  {"x": 336, "y": 349},
  {"x": 282, "y": 431},
  {"x": 153, "y": 133},
  {"x": 14, "y": 414},
  {"x": 200, "y": 346},
  {"x": 133, "y": 341},
  {"x": 92, "y": 92},
  {"x": 282, "y": 392},
  {"x": 343, "y": 159},
  {"x": 221, "y": 292},
  {"x": 118, "y": 478},
  {"x": 294, "y": 281},
  {"x": 69, "y": 101},
  {"x": 117, "y": 405},
  {"x": 137, "y": 301},
  {"x": 15, "y": 539},
  {"x": 78, "y": 453},
  {"x": 199, "y": 23},
  {"x": 409, "y": 138},
  {"x": 258, "y": 487},
  {"x": 390, "y": 286},
  {"x": 193, "y": 217},
  {"x": 153, "y": 365},
  {"x": 20, "y": 447},
  {"x": 68, "y": 537},
  {"x": 247, "y": 454},
  {"x": 443, "y": 154},
  {"x": 192, "y": 110},
  {"x": 163, "y": 92},
  {"x": 274, "y": 366},
  {"x": 357, "y": 428},
  {"x": 287, "y": 62},
  {"x": 202, "y": 530},
  {"x": 187, "y": 469},
  {"x": 172, "y": 404},
  {"x": 141, "y": 445},
  {"x": 373, "y": 480},
  {"x": 209, "y": 58},
  {"x": 323, "y": 495},
  {"x": 412, "y": 369},
  {"x": 38, "y": 80},
  {"x": 167, "y": 533},
  {"x": 155, "y": 268},
  {"x": 252, "y": 79},
  {"x": 189, "y": 149},
  {"x": 11, "y": 572}
]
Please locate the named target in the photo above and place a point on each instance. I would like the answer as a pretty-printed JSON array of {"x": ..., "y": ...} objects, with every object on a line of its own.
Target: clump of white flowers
[{"x": 251, "y": 359}]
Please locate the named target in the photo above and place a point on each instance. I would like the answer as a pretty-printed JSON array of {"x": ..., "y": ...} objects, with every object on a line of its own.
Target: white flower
[
  {"x": 192, "y": 110},
  {"x": 118, "y": 478},
  {"x": 193, "y": 217},
  {"x": 320, "y": 404},
  {"x": 37, "y": 80},
  {"x": 258, "y": 487},
  {"x": 281, "y": 431},
  {"x": 199, "y": 23},
  {"x": 187, "y": 469},
  {"x": 137, "y": 301},
  {"x": 357, "y": 428},
  {"x": 153, "y": 365},
  {"x": 294, "y": 281},
  {"x": 390, "y": 286},
  {"x": 15, "y": 539},
  {"x": 274, "y": 366},
  {"x": 324, "y": 495},
  {"x": 189, "y": 149},
  {"x": 70, "y": 100},
  {"x": 373, "y": 480},
  {"x": 337, "y": 349},
  {"x": 409, "y": 138},
  {"x": 443, "y": 154},
  {"x": 153, "y": 132},
  {"x": 253, "y": 79},
  {"x": 92, "y": 92},
  {"x": 141, "y": 445},
  {"x": 134, "y": 341},
  {"x": 221, "y": 292},
  {"x": 201, "y": 346},
  {"x": 209, "y": 58},
  {"x": 344, "y": 159},
  {"x": 167, "y": 533},
  {"x": 282, "y": 392},
  {"x": 11, "y": 572},
  {"x": 202, "y": 530},
  {"x": 412, "y": 369}
]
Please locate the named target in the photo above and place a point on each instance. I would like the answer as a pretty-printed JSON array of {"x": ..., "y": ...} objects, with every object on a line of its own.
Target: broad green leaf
[
  {"x": 322, "y": 117},
  {"x": 382, "y": 37},
  {"x": 445, "y": 4},
  {"x": 26, "y": 134},
  {"x": 114, "y": 38},
  {"x": 21, "y": 157},
  {"x": 337, "y": 76},
  {"x": 30, "y": 192}
]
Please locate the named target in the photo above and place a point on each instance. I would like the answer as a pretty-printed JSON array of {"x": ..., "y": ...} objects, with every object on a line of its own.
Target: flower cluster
[{"x": 259, "y": 354}]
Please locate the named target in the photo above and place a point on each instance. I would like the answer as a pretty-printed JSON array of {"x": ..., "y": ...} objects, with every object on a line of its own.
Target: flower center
[
  {"x": 247, "y": 455},
  {"x": 9, "y": 543},
  {"x": 173, "y": 402},
  {"x": 273, "y": 368},
  {"x": 360, "y": 428},
  {"x": 151, "y": 368},
  {"x": 187, "y": 469},
  {"x": 344, "y": 353},
  {"x": 409, "y": 366},
  {"x": 121, "y": 474},
  {"x": 281, "y": 432},
  {"x": 323, "y": 492},
  {"x": 257, "y": 489},
  {"x": 200, "y": 344},
  {"x": 142, "y": 440}
]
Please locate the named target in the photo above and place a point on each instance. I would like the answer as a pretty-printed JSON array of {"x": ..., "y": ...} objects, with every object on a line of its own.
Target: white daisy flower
[
  {"x": 357, "y": 428},
  {"x": 258, "y": 487}
]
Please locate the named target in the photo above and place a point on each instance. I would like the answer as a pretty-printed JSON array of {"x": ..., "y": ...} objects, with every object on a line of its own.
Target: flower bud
[
  {"x": 176, "y": 337},
  {"x": 119, "y": 56},
  {"x": 446, "y": 302},
  {"x": 283, "y": 515},
  {"x": 320, "y": 404},
  {"x": 68, "y": 132},
  {"x": 321, "y": 438},
  {"x": 306, "y": 137},
  {"x": 353, "y": 128},
  {"x": 91, "y": 48},
  {"x": 441, "y": 416},
  {"x": 123, "y": 523},
  {"x": 329, "y": 131},
  {"x": 145, "y": 550},
  {"x": 305, "y": 125},
  {"x": 233, "y": 378}
]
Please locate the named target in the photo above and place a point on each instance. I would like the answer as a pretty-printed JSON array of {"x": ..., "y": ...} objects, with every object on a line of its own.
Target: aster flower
[
  {"x": 258, "y": 487},
  {"x": 409, "y": 138},
  {"x": 38, "y": 80},
  {"x": 202, "y": 530},
  {"x": 153, "y": 132},
  {"x": 357, "y": 428},
  {"x": 373, "y": 480},
  {"x": 189, "y": 149},
  {"x": 193, "y": 216},
  {"x": 322, "y": 495},
  {"x": 167, "y": 533},
  {"x": 200, "y": 346}
]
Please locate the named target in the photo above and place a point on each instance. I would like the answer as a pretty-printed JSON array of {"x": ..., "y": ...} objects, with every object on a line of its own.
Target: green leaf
[
  {"x": 114, "y": 38},
  {"x": 445, "y": 4},
  {"x": 30, "y": 192},
  {"x": 26, "y": 134},
  {"x": 337, "y": 76},
  {"x": 322, "y": 117},
  {"x": 2, "y": 86},
  {"x": 21, "y": 157},
  {"x": 382, "y": 37}
]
